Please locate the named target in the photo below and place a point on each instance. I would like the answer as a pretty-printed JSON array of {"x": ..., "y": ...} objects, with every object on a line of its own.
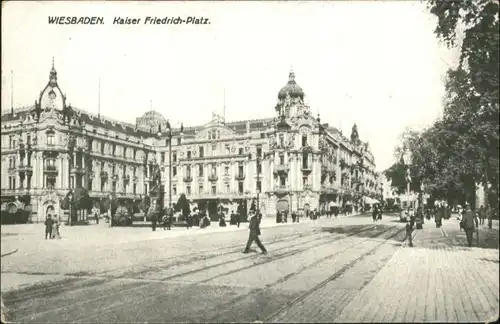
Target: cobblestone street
[{"x": 344, "y": 270}]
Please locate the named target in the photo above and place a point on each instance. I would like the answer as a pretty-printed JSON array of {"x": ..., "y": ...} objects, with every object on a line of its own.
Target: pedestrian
[
  {"x": 55, "y": 228},
  {"x": 254, "y": 233},
  {"x": 489, "y": 215},
  {"x": 222, "y": 220},
  {"x": 189, "y": 221},
  {"x": 469, "y": 224},
  {"x": 379, "y": 212},
  {"x": 154, "y": 219},
  {"x": 294, "y": 216},
  {"x": 482, "y": 215},
  {"x": 374, "y": 213},
  {"x": 409, "y": 230},
  {"x": 48, "y": 227},
  {"x": 438, "y": 217}
]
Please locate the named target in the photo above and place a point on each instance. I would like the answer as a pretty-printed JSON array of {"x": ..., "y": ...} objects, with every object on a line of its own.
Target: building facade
[{"x": 291, "y": 161}]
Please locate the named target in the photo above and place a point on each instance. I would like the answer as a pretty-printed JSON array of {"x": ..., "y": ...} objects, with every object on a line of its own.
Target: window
[
  {"x": 304, "y": 181},
  {"x": 188, "y": 154},
  {"x": 89, "y": 184},
  {"x": 214, "y": 189},
  {"x": 200, "y": 188},
  {"x": 259, "y": 167},
  {"x": 174, "y": 171},
  {"x": 188, "y": 171},
  {"x": 114, "y": 186},
  {"x": 134, "y": 171},
  {"x": 228, "y": 149},
  {"x": 214, "y": 170},
  {"x": 102, "y": 148},
  {"x": 259, "y": 150},
  {"x": 240, "y": 151},
  {"x": 304, "y": 161},
  {"x": 28, "y": 140},
  {"x": 162, "y": 157},
  {"x": 178, "y": 141},
  {"x": 227, "y": 187},
  {"x": 134, "y": 189},
  {"x": 174, "y": 189},
  {"x": 259, "y": 186},
  {"x": 174, "y": 157},
  {"x": 200, "y": 170},
  {"x": 282, "y": 140},
  {"x": 226, "y": 170},
  {"x": 283, "y": 181},
  {"x": 240, "y": 169},
  {"x": 51, "y": 139},
  {"x": 145, "y": 189},
  {"x": 188, "y": 190},
  {"x": 72, "y": 182},
  {"x": 113, "y": 149},
  {"x": 214, "y": 150},
  {"x": 282, "y": 159},
  {"x": 202, "y": 153},
  {"x": 11, "y": 141},
  {"x": 240, "y": 187},
  {"x": 304, "y": 140}
]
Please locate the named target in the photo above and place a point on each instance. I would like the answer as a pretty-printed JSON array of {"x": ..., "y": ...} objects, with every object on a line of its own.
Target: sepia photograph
[{"x": 250, "y": 161}]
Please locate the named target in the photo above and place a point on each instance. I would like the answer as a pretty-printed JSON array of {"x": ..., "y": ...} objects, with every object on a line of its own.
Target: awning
[{"x": 370, "y": 201}]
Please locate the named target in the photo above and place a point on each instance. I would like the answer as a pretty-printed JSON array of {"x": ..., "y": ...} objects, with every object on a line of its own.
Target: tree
[
  {"x": 182, "y": 205},
  {"x": 472, "y": 89}
]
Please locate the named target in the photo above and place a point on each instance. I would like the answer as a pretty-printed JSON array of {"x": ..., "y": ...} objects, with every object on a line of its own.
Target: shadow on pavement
[{"x": 359, "y": 230}]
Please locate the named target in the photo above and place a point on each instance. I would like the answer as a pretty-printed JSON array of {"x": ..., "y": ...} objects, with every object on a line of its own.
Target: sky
[{"x": 377, "y": 64}]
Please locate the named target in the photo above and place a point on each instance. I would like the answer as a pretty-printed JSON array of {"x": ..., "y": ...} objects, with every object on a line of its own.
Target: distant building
[{"x": 292, "y": 161}]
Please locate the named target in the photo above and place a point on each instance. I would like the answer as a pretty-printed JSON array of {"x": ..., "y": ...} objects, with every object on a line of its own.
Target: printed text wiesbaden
[
  {"x": 188, "y": 20},
  {"x": 63, "y": 20}
]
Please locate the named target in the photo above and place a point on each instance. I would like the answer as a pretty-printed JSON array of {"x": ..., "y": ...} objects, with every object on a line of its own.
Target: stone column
[
  {"x": 60, "y": 183},
  {"x": 40, "y": 171}
]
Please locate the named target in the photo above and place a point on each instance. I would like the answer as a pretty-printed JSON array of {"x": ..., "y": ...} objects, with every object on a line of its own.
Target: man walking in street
[
  {"x": 489, "y": 216},
  {"x": 48, "y": 227},
  {"x": 254, "y": 233},
  {"x": 469, "y": 224},
  {"x": 482, "y": 215},
  {"x": 409, "y": 230}
]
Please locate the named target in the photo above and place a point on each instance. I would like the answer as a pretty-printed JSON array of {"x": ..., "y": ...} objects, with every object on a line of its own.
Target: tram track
[
  {"x": 133, "y": 291},
  {"x": 100, "y": 277},
  {"x": 334, "y": 276},
  {"x": 114, "y": 308}
]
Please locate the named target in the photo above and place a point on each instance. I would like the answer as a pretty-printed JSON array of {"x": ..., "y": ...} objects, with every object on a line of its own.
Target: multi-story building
[{"x": 291, "y": 161}]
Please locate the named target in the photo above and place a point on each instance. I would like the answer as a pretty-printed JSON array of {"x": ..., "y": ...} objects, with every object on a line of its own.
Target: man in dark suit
[
  {"x": 48, "y": 227},
  {"x": 254, "y": 226}
]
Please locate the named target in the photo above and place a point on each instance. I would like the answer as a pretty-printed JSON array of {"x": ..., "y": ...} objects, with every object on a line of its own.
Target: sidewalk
[{"x": 440, "y": 279}]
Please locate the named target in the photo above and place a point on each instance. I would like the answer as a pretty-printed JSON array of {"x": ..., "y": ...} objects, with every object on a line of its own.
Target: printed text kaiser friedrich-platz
[{"x": 118, "y": 20}]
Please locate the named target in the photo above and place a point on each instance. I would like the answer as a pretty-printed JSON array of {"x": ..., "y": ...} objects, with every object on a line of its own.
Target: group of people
[
  {"x": 52, "y": 225},
  {"x": 377, "y": 212}
]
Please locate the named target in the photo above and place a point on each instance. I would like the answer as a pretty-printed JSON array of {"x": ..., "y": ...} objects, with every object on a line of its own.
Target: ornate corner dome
[
  {"x": 51, "y": 96},
  {"x": 151, "y": 121},
  {"x": 291, "y": 88}
]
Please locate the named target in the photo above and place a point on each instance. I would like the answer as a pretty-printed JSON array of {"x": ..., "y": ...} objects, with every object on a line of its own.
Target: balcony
[
  {"x": 213, "y": 177},
  {"x": 50, "y": 169},
  {"x": 282, "y": 189},
  {"x": 25, "y": 169},
  {"x": 188, "y": 178},
  {"x": 239, "y": 177},
  {"x": 282, "y": 168},
  {"x": 306, "y": 168},
  {"x": 77, "y": 169}
]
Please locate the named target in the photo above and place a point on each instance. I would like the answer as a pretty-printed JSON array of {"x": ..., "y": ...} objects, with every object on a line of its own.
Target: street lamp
[
  {"x": 407, "y": 162},
  {"x": 259, "y": 184},
  {"x": 169, "y": 137},
  {"x": 70, "y": 198}
]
